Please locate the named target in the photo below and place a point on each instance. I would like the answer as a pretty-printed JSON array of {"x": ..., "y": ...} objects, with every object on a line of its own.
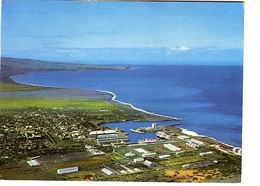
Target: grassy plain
[
  {"x": 7, "y": 103},
  {"x": 7, "y": 87},
  {"x": 21, "y": 171}
]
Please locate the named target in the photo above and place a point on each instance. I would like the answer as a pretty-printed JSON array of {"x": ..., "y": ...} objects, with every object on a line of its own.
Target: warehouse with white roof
[
  {"x": 108, "y": 172},
  {"x": 67, "y": 170},
  {"x": 171, "y": 147}
]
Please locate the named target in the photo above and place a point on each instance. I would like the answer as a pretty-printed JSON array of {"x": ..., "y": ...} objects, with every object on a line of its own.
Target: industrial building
[
  {"x": 237, "y": 151},
  {"x": 200, "y": 143},
  {"x": 33, "y": 163},
  {"x": 183, "y": 137},
  {"x": 186, "y": 165},
  {"x": 123, "y": 171},
  {"x": 108, "y": 136},
  {"x": 149, "y": 163},
  {"x": 101, "y": 132},
  {"x": 129, "y": 154},
  {"x": 151, "y": 154},
  {"x": 108, "y": 172},
  {"x": 127, "y": 168},
  {"x": 111, "y": 138},
  {"x": 206, "y": 153},
  {"x": 138, "y": 160},
  {"x": 167, "y": 156},
  {"x": 193, "y": 145},
  {"x": 68, "y": 170},
  {"x": 171, "y": 147}
]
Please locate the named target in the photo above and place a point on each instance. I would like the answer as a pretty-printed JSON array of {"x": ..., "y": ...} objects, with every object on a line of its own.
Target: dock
[{"x": 153, "y": 128}]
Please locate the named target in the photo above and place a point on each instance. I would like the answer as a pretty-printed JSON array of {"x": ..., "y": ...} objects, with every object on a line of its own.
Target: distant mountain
[{"x": 14, "y": 66}]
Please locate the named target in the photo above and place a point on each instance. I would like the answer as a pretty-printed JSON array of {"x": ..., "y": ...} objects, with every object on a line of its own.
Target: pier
[{"x": 153, "y": 128}]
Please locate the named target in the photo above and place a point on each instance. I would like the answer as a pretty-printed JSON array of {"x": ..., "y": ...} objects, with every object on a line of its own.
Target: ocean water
[{"x": 207, "y": 98}]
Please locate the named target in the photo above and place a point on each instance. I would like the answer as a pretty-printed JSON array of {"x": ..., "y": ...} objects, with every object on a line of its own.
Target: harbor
[{"x": 153, "y": 128}]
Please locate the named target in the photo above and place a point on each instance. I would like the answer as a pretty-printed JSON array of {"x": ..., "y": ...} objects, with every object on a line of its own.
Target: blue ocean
[{"x": 207, "y": 98}]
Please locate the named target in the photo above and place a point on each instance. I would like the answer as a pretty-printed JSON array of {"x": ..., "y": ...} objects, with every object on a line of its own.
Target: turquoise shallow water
[{"x": 207, "y": 98}]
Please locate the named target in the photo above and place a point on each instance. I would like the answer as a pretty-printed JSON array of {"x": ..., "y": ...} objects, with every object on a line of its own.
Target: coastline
[
  {"x": 195, "y": 134},
  {"x": 192, "y": 133},
  {"x": 103, "y": 91},
  {"x": 135, "y": 108}
]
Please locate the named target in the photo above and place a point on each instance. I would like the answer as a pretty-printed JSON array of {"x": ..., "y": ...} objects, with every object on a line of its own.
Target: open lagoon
[{"x": 207, "y": 98}]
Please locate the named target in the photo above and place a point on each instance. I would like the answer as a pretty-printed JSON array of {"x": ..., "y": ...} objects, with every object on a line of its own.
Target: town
[
  {"x": 65, "y": 144},
  {"x": 28, "y": 131}
]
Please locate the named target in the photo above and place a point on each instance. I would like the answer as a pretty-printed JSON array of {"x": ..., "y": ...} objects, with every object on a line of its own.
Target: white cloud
[
  {"x": 180, "y": 48},
  {"x": 183, "y": 48}
]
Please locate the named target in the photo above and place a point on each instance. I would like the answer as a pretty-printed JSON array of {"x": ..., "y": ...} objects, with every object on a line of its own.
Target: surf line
[{"x": 135, "y": 108}]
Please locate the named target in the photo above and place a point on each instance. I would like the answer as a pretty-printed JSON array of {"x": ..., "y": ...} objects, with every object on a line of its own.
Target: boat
[
  {"x": 161, "y": 135},
  {"x": 140, "y": 131},
  {"x": 146, "y": 140}
]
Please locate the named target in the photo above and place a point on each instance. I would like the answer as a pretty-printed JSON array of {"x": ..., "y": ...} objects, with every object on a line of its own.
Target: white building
[
  {"x": 105, "y": 138},
  {"x": 100, "y": 132},
  {"x": 183, "y": 137},
  {"x": 167, "y": 156},
  {"x": 171, "y": 147},
  {"x": 129, "y": 154},
  {"x": 193, "y": 145},
  {"x": 123, "y": 171},
  {"x": 151, "y": 154},
  {"x": 88, "y": 147},
  {"x": 154, "y": 125},
  {"x": 33, "y": 163},
  {"x": 138, "y": 160},
  {"x": 206, "y": 153},
  {"x": 108, "y": 172},
  {"x": 68, "y": 170},
  {"x": 149, "y": 163},
  {"x": 237, "y": 151},
  {"x": 185, "y": 165},
  {"x": 127, "y": 168},
  {"x": 200, "y": 143}
]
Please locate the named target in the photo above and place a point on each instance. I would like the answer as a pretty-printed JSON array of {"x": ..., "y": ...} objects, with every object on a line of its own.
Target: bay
[{"x": 207, "y": 98}]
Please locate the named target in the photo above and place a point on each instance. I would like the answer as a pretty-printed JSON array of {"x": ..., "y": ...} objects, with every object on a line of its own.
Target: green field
[
  {"x": 7, "y": 103},
  {"x": 6, "y": 87}
]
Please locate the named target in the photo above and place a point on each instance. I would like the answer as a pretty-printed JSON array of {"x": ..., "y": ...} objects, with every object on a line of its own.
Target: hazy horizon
[
  {"x": 142, "y": 63},
  {"x": 136, "y": 33}
]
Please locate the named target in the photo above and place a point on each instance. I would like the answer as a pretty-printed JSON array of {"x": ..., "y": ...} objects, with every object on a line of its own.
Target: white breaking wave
[{"x": 147, "y": 112}]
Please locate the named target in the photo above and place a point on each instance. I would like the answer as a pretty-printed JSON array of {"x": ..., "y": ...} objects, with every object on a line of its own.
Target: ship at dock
[
  {"x": 147, "y": 140},
  {"x": 138, "y": 130},
  {"x": 153, "y": 128}
]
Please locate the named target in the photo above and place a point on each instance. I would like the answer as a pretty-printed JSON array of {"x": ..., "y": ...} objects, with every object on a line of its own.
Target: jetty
[
  {"x": 153, "y": 128},
  {"x": 138, "y": 130}
]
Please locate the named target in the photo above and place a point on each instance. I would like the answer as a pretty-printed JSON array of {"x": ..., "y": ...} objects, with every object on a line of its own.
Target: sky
[{"x": 123, "y": 32}]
